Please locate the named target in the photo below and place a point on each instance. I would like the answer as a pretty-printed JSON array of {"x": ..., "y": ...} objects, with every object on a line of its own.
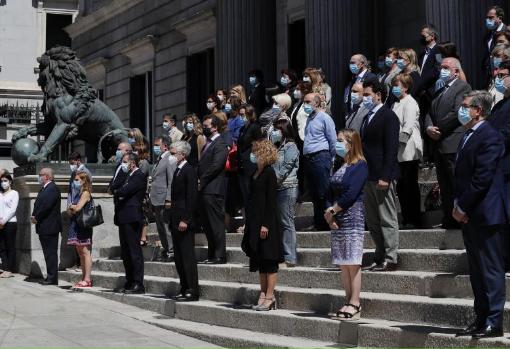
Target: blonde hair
[
  {"x": 410, "y": 55},
  {"x": 284, "y": 100},
  {"x": 197, "y": 125},
  {"x": 239, "y": 89},
  {"x": 87, "y": 185},
  {"x": 137, "y": 135},
  {"x": 265, "y": 151},
  {"x": 355, "y": 152}
]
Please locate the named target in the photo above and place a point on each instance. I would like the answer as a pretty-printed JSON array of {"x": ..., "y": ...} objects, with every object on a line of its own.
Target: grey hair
[
  {"x": 181, "y": 147},
  {"x": 432, "y": 31},
  {"x": 362, "y": 59},
  {"x": 166, "y": 141},
  {"x": 481, "y": 99},
  {"x": 48, "y": 172},
  {"x": 127, "y": 145}
]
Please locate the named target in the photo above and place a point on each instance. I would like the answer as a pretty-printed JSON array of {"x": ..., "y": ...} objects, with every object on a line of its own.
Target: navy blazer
[
  {"x": 47, "y": 210},
  {"x": 380, "y": 145},
  {"x": 129, "y": 198},
  {"x": 184, "y": 192},
  {"x": 501, "y": 122},
  {"x": 350, "y": 190},
  {"x": 479, "y": 184}
]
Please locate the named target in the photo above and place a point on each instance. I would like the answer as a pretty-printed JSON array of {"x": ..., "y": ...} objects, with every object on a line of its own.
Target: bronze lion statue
[{"x": 71, "y": 108}]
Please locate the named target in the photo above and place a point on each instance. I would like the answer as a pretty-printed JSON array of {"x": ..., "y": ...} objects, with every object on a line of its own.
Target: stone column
[{"x": 245, "y": 39}]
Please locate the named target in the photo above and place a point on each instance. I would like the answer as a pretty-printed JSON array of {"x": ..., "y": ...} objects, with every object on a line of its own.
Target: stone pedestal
[{"x": 30, "y": 259}]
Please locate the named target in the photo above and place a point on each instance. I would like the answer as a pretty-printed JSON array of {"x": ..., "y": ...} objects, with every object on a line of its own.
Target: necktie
[
  {"x": 365, "y": 122},
  {"x": 176, "y": 172},
  {"x": 207, "y": 145},
  {"x": 465, "y": 137}
]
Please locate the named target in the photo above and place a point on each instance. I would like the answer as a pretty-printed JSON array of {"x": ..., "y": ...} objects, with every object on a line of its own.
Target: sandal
[
  {"x": 339, "y": 315},
  {"x": 352, "y": 316},
  {"x": 83, "y": 284}
]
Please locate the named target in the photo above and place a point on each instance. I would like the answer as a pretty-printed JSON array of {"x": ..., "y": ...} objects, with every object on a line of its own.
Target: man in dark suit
[
  {"x": 48, "y": 223},
  {"x": 258, "y": 96},
  {"x": 184, "y": 189},
  {"x": 445, "y": 131},
  {"x": 494, "y": 23},
  {"x": 211, "y": 188},
  {"x": 129, "y": 217},
  {"x": 480, "y": 207},
  {"x": 358, "y": 66},
  {"x": 379, "y": 134},
  {"x": 428, "y": 62}
]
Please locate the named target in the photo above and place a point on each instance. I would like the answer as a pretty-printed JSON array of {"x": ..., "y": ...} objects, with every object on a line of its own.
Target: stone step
[
  {"x": 310, "y": 304},
  {"x": 430, "y": 284},
  {"x": 365, "y": 333},
  {"x": 450, "y": 261}
]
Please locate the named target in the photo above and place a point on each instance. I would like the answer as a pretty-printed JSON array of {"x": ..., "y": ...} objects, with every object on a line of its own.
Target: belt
[{"x": 311, "y": 155}]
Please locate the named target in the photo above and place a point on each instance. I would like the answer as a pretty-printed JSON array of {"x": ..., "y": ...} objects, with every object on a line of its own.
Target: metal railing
[{"x": 21, "y": 114}]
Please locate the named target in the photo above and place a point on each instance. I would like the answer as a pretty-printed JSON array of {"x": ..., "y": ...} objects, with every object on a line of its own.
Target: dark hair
[
  {"x": 6, "y": 175},
  {"x": 132, "y": 157},
  {"x": 215, "y": 121},
  {"x": 448, "y": 49},
  {"x": 74, "y": 156},
  {"x": 292, "y": 75},
  {"x": 171, "y": 117},
  {"x": 236, "y": 103},
  {"x": 499, "y": 12},
  {"x": 285, "y": 126},
  {"x": 377, "y": 87},
  {"x": 432, "y": 30},
  {"x": 505, "y": 65},
  {"x": 166, "y": 140},
  {"x": 304, "y": 87},
  {"x": 250, "y": 112},
  {"x": 502, "y": 33},
  {"x": 215, "y": 99},
  {"x": 257, "y": 73}
]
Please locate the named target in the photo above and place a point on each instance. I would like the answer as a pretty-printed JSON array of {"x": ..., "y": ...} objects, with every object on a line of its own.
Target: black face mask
[
  {"x": 423, "y": 41},
  {"x": 207, "y": 132}
]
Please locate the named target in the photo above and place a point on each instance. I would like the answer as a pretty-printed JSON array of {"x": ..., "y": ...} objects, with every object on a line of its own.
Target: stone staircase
[{"x": 420, "y": 305}]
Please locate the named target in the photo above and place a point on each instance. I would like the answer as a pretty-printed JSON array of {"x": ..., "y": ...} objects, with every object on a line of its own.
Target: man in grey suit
[
  {"x": 446, "y": 132},
  {"x": 160, "y": 194}
]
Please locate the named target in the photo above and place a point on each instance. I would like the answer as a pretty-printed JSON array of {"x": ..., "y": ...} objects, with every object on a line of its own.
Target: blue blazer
[
  {"x": 129, "y": 198},
  {"x": 47, "y": 210},
  {"x": 501, "y": 122},
  {"x": 380, "y": 145},
  {"x": 350, "y": 190},
  {"x": 479, "y": 179}
]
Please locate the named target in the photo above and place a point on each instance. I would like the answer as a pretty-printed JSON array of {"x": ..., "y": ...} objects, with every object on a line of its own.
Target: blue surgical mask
[
  {"x": 368, "y": 102},
  {"x": 253, "y": 158},
  {"x": 189, "y": 126},
  {"x": 284, "y": 81},
  {"x": 307, "y": 108},
  {"x": 496, "y": 62},
  {"x": 276, "y": 136},
  {"x": 445, "y": 74},
  {"x": 388, "y": 61},
  {"x": 118, "y": 155},
  {"x": 499, "y": 84},
  {"x": 297, "y": 94},
  {"x": 76, "y": 184},
  {"x": 228, "y": 107},
  {"x": 166, "y": 126},
  {"x": 125, "y": 167},
  {"x": 157, "y": 150},
  {"x": 276, "y": 108},
  {"x": 352, "y": 67},
  {"x": 397, "y": 91},
  {"x": 463, "y": 115},
  {"x": 355, "y": 98},
  {"x": 400, "y": 63},
  {"x": 253, "y": 80},
  {"x": 307, "y": 79},
  {"x": 340, "y": 149},
  {"x": 490, "y": 24},
  {"x": 131, "y": 140}
]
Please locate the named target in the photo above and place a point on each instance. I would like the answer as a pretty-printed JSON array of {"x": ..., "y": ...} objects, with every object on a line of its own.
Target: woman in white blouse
[
  {"x": 410, "y": 150},
  {"x": 9, "y": 199}
]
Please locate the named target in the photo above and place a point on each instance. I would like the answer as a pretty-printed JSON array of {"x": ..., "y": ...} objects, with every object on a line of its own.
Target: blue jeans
[
  {"x": 287, "y": 210},
  {"x": 318, "y": 171}
]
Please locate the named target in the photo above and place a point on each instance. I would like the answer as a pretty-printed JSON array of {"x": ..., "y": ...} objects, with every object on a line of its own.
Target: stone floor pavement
[{"x": 32, "y": 315}]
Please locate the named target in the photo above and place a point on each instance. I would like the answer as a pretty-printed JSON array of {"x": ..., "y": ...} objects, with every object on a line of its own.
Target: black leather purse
[{"x": 90, "y": 215}]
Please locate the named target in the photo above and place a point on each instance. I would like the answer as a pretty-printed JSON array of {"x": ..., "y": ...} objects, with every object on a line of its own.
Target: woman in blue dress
[
  {"x": 78, "y": 236},
  {"x": 346, "y": 217}
]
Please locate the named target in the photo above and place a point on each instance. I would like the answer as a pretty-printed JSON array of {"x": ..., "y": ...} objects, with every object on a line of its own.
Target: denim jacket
[{"x": 287, "y": 165}]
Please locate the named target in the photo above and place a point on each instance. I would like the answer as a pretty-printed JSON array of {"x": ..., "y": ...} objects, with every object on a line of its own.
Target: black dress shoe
[
  {"x": 205, "y": 261},
  {"x": 488, "y": 332},
  {"x": 187, "y": 297},
  {"x": 369, "y": 267},
  {"x": 470, "y": 330},
  {"x": 47, "y": 282},
  {"x": 137, "y": 289},
  {"x": 216, "y": 261},
  {"x": 385, "y": 266}
]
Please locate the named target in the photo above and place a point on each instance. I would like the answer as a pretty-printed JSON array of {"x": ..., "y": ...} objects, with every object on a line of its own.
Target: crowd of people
[{"x": 261, "y": 150}]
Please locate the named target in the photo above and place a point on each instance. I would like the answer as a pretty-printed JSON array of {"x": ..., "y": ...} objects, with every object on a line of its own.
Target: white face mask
[
  {"x": 125, "y": 167},
  {"x": 220, "y": 97},
  {"x": 210, "y": 106},
  {"x": 307, "y": 79},
  {"x": 297, "y": 94}
]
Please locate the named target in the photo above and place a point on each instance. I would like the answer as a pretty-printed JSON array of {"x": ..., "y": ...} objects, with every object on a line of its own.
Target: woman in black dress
[
  {"x": 195, "y": 137},
  {"x": 263, "y": 241}
]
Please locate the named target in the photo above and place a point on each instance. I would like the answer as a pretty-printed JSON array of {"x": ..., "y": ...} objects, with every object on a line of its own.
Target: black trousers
[
  {"x": 184, "y": 253},
  {"x": 49, "y": 244},
  {"x": 131, "y": 252},
  {"x": 8, "y": 246},
  {"x": 485, "y": 249},
  {"x": 408, "y": 192},
  {"x": 445, "y": 164},
  {"x": 214, "y": 225}
]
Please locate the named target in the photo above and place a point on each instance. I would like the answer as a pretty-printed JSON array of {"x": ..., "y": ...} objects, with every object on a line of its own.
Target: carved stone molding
[
  {"x": 199, "y": 30},
  {"x": 140, "y": 53},
  {"x": 96, "y": 71}
]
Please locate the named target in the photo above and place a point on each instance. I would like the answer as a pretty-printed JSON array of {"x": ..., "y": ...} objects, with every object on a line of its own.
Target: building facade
[{"x": 150, "y": 57}]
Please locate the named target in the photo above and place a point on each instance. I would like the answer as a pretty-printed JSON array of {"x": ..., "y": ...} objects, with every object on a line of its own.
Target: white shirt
[
  {"x": 8, "y": 205},
  {"x": 497, "y": 30},
  {"x": 474, "y": 128},
  {"x": 361, "y": 75},
  {"x": 374, "y": 111},
  {"x": 426, "y": 56},
  {"x": 181, "y": 165}
]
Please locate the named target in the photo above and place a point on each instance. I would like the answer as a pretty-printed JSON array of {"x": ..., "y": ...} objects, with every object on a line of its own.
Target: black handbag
[{"x": 90, "y": 215}]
